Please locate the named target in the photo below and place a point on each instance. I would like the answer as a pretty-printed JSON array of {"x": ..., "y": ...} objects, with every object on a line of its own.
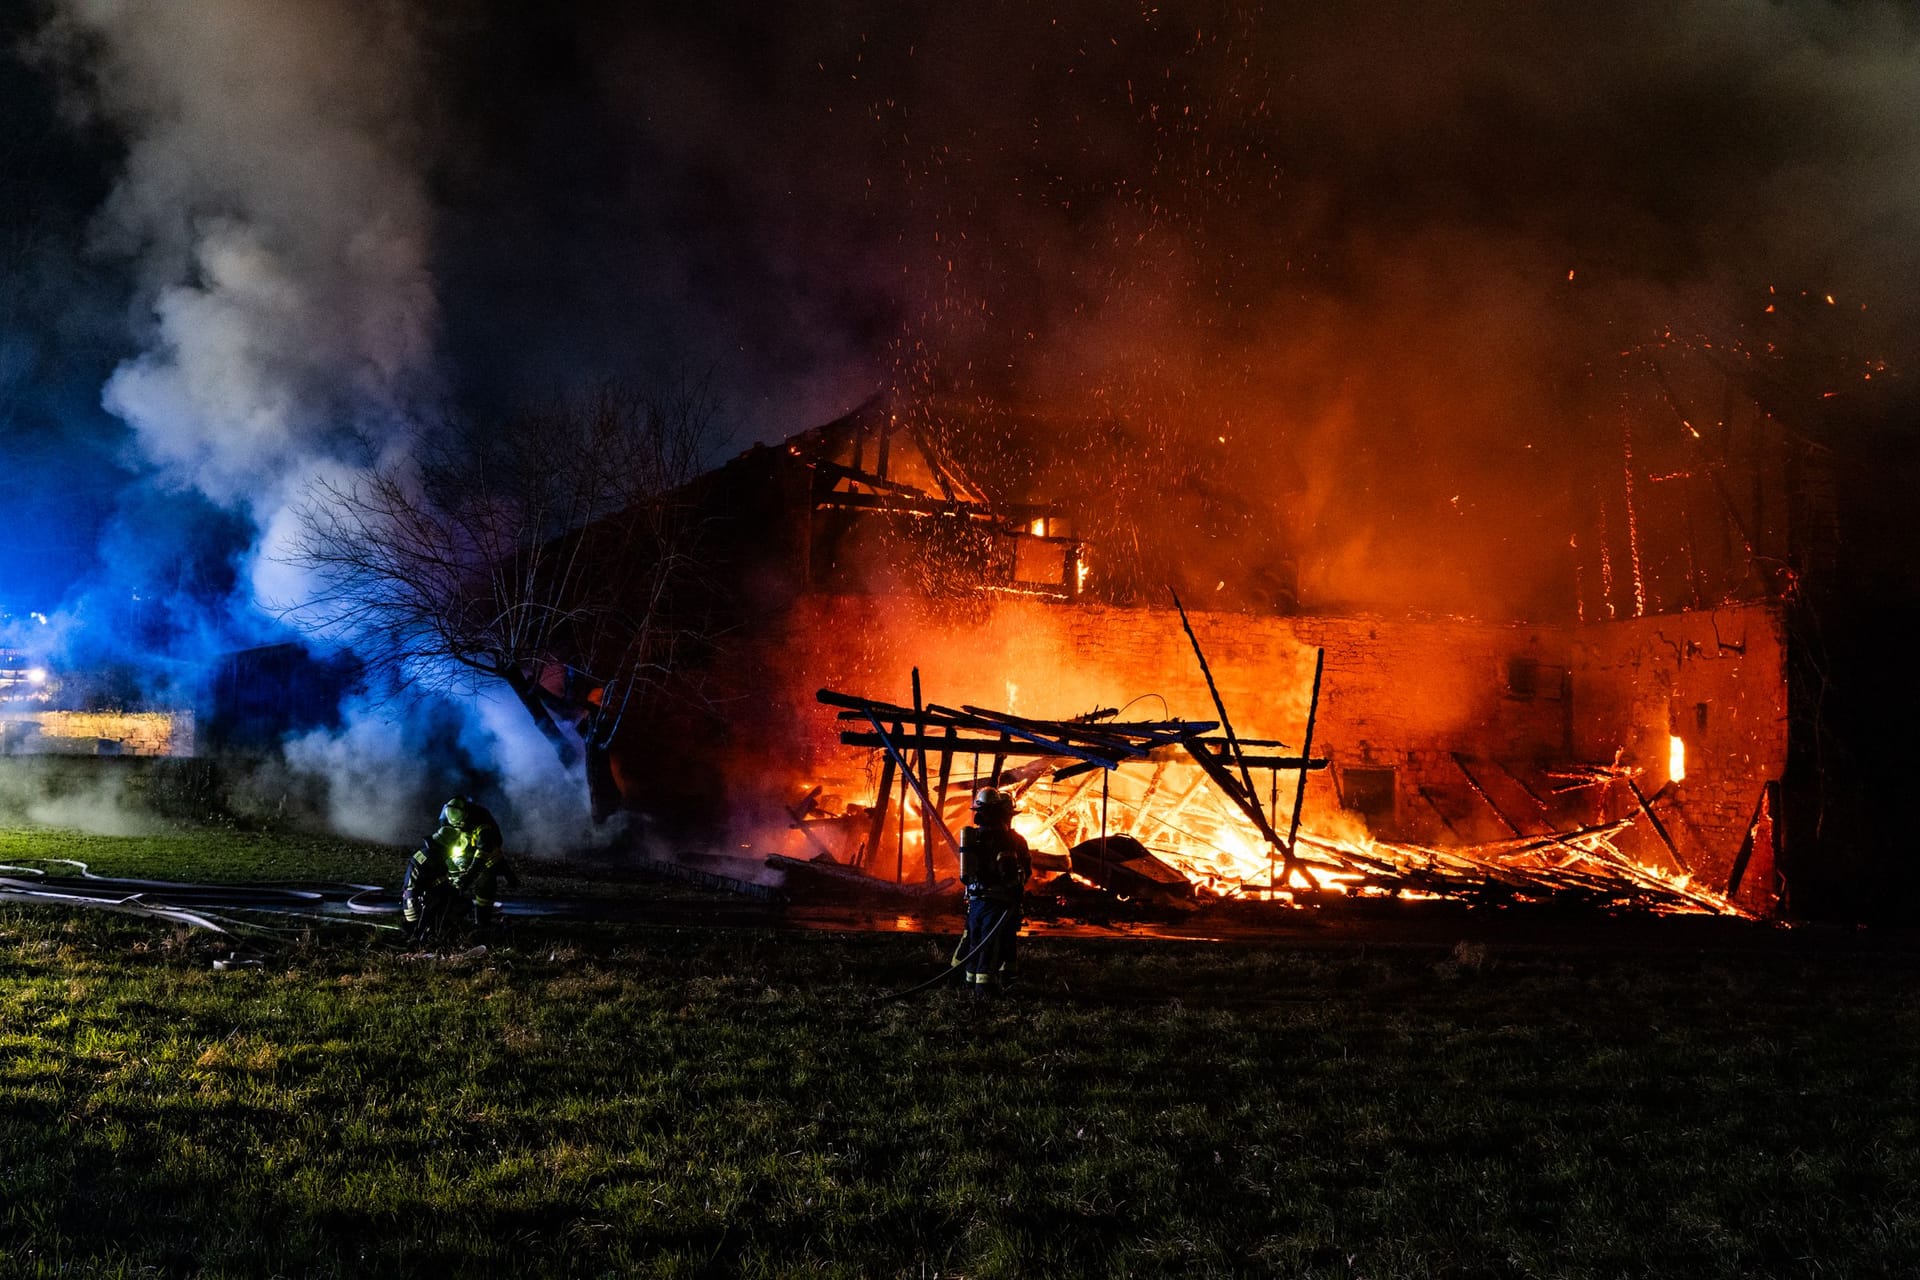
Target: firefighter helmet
[
  {"x": 992, "y": 800},
  {"x": 454, "y": 812}
]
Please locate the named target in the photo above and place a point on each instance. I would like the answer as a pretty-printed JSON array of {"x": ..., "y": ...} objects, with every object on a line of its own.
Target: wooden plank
[
  {"x": 799, "y": 812},
  {"x": 882, "y": 799},
  {"x": 1306, "y": 749},
  {"x": 919, "y": 757},
  {"x": 969, "y": 746},
  {"x": 1248, "y": 805},
  {"x": 1074, "y": 771},
  {"x": 1164, "y": 821},
  {"x": 1460, "y": 763},
  {"x": 1659, "y": 827},
  {"x": 865, "y": 706},
  {"x": 919, "y": 787},
  {"x": 878, "y": 829},
  {"x": 1226, "y": 725},
  {"x": 1146, "y": 800},
  {"x": 1061, "y": 747},
  {"x": 946, "y": 768},
  {"x": 1281, "y": 763}
]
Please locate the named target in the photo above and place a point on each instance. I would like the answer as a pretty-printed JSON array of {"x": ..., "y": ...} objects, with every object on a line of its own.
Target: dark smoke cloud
[
  {"x": 1339, "y": 236},
  {"x": 1358, "y": 276}
]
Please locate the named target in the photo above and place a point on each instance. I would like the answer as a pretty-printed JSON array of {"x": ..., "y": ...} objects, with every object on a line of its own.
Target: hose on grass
[
  {"x": 953, "y": 966},
  {"x": 217, "y": 908}
]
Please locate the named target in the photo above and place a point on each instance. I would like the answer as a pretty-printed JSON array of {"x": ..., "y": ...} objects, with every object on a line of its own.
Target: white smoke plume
[
  {"x": 275, "y": 203},
  {"x": 274, "y": 199}
]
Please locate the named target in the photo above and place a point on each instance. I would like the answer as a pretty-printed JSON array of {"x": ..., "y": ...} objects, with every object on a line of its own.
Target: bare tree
[{"x": 551, "y": 553}]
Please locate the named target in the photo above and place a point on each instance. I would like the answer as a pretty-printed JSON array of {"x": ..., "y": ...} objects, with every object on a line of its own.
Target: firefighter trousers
[{"x": 997, "y": 925}]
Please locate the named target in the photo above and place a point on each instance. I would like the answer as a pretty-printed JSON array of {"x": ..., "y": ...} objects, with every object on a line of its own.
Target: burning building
[
  {"x": 35, "y": 719},
  {"x": 971, "y": 641}
]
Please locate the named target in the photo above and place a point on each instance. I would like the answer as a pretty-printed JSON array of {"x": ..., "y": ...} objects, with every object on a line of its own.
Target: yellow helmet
[{"x": 455, "y": 812}]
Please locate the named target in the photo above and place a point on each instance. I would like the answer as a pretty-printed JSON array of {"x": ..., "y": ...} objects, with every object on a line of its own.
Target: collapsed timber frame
[{"x": 1191, "y": 792}]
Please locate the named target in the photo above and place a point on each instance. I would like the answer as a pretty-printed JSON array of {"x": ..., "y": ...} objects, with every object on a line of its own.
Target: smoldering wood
[
  {"x": 1659, "y": 827},
  {"x": 1125, "y": 866},
  {"x": 799, "y": 812},
  {"x": 927, "y": 813},
  {"x": 662, "y": 869},
  {"x": 1738, "y": 871},
  {"x": 876, "y": 834},
  {"x": 1306, "y": 748},
  {"x": 916, "y": 782},
  {"x": 853, "y": 878},
  {"x": 1233, "y": 743}
]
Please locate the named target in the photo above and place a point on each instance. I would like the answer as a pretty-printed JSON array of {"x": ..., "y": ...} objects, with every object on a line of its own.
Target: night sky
[{"x": 1388, "y": 277}]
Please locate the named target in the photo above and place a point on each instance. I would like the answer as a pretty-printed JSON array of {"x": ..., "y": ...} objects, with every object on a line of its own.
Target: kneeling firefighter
[
  {"x": 463, "y": 857},
  {"x": 994, "y": 865}
]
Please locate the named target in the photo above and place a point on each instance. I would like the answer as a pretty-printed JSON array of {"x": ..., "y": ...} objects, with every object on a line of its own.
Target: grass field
[{"x": 699, "y": 1102}]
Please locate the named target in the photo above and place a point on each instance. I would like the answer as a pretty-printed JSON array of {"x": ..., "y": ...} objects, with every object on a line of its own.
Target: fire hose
[
  {"x": 202, "y": 906},
  {"x": 953, "y": 966}
]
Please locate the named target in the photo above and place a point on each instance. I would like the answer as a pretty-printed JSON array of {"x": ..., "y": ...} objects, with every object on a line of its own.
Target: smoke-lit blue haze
[{"x": 271, "y": 236}]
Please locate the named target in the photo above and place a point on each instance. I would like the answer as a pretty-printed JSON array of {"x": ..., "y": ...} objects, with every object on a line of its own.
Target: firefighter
[
  {"x": 464, "y": 857},
  {"x": 994, "y": 865}
]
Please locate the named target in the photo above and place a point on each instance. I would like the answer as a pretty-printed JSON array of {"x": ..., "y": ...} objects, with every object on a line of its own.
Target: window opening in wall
[
  {"x": 1523, "y": 678},
  {"x": 1529, "y": 679},
  {"x": 1369, "y": 792}
]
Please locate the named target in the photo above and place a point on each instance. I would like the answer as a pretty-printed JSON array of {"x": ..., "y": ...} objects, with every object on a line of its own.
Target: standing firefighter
[
  {"x": 994, "y": 865},
  {"x": 463, "y": 857}
]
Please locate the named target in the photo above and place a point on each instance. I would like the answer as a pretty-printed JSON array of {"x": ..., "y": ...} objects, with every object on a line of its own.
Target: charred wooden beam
[
  {"x": 1306, "y": 749},
  {"x": 663, "y": 869},
  {"x": 1226, "y": 725},
  {"x": 854, "y": 475},
  {"x": 946, "y": 766},
  {"x": 1061, "y": 747},
  {"x": 1659, "y": 827},
  {"x": 966, "y": 746},
  {"x": 1460, "y": 763},
  {"x": 1738, "y": 871},
  {"x": 799, "y": 812},
  {"x": 913, "y": 780},
  {"x": 1277, "y": 763},
  {"x": 916, "y": 503},
  {"x": 882, "y": 800},
  {"x": 920, "y": 753}
]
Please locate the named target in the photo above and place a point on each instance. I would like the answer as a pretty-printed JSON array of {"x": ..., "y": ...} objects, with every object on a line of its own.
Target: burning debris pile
[{"x": 1173, "y": 810}]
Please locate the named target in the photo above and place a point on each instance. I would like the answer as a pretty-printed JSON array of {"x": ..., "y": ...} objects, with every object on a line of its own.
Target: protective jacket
[
  {"x": 994, "y": 864},
  {"x": 464, "y": 856}
]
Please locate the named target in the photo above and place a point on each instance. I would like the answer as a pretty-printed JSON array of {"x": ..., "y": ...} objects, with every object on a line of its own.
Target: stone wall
[{"x": 1717, "y": 681}]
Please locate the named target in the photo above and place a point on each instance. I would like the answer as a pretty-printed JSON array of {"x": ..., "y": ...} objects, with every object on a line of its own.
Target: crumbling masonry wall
[{"x": 1716, "y": 680}]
